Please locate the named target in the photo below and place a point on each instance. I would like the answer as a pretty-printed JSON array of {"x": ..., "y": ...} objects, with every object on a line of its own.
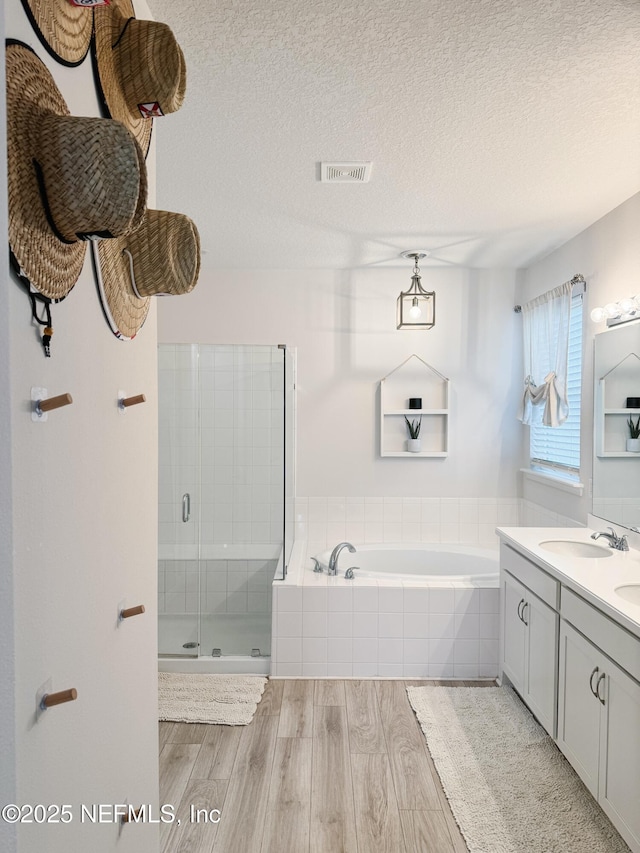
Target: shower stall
[{"x": 225, "y": 503}]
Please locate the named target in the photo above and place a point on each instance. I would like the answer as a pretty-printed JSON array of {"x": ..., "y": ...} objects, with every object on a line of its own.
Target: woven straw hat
[
  {"x": 140, "y": 67},
  {"x": 68, "y": 177},
  {"x": 161, "y": 258},
  {"x": 64, "y": 29}
]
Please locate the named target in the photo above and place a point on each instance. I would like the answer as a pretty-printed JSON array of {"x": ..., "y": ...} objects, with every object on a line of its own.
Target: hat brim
[
  {"x": 124, "y": 311},
  {"x": 51, "y": 265},
  {"x": 108, "y": 23},
  {"x": 64, "y": 30}
]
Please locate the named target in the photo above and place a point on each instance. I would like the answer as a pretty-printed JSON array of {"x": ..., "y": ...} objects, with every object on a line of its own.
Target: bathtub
[
  {"x": 411, "y": 611},
  {"x": 435, "y": 564}
]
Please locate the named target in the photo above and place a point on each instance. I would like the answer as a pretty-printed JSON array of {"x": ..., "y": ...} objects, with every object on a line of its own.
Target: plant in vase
[
  {"x": 633, "y": 443},
  {"x": 413, "y": 442}
]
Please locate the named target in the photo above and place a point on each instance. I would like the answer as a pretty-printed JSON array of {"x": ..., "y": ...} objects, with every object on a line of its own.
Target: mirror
[{"x": 616, "y": 464}]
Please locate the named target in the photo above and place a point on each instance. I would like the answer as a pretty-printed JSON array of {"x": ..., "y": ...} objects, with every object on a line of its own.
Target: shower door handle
[{"x": 186, "y": 506}]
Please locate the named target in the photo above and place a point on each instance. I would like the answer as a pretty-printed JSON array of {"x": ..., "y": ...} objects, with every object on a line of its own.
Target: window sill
[{"x": 555, "y": 482}]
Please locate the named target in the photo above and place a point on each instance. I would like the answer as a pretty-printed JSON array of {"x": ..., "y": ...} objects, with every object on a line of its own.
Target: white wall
[
  {"x": 8, "y": 832},
  {"x": 82, "y": 493},
  {"x": 343, "y": 326},
  {"x": 608, "y": 256}
]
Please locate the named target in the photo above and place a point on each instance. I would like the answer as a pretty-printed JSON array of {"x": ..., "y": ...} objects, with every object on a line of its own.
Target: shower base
[{"x": 238, "y": 637}]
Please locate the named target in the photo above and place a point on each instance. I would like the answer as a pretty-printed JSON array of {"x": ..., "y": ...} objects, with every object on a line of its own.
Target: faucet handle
[
  {"x": 317, "y": 567},
  {"x": 349, "y": 573}
]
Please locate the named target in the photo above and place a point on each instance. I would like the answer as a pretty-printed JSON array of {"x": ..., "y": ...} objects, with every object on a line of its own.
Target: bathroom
[{"x": 80, "y": 509}]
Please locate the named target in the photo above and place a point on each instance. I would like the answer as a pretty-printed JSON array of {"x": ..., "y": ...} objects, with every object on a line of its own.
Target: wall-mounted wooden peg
[
  {"x": 132, "y": 611},
  {"x": 125, "y": 402},
  {"x": 51, "y": 699},
  {"x": 43, "y": 404},
  {"x": 131, "y": 814}
]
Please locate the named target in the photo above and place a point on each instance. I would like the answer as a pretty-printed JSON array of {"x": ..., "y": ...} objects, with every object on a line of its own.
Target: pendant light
[{"x": 416, "y": 307}]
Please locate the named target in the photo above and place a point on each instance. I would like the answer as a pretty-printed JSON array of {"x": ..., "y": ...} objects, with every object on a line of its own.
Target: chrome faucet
[
  {"x": 618, "y": 542},
  {"x": 332, "y": 568}
]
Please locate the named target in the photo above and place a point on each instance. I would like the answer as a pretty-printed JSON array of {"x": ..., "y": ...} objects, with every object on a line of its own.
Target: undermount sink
[
  {"x": 573, "y": 548},
  {"x": 630, "y": 592}
]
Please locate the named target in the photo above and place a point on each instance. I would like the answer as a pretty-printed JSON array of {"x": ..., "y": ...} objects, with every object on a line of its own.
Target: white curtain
[{"x": 546, "y": 348}]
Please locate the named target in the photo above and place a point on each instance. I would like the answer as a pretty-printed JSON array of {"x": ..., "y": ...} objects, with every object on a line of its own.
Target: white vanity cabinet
[
  {"x": 530, "y": 634},
  {"x": 599, "y": 711}
]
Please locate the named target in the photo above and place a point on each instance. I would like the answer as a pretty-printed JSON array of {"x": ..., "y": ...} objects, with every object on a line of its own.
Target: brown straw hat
[
  {"x": 140, "y": 67},
  {"x": 68, "y": 177},
  {"x": 64, "y": 29},
  {"x": 161, "y": 258}
]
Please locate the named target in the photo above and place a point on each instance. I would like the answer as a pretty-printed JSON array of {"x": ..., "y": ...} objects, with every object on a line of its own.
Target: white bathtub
[{"x": 436, "y": 564}]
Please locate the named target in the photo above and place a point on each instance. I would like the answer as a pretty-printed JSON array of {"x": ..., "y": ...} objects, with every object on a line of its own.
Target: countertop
[{"x": 595, "y": 579}]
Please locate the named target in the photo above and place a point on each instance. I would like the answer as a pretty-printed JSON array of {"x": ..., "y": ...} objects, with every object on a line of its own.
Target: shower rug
[
  {"x": 228, "y": 700},
  {"x": 509, "y": 787}
]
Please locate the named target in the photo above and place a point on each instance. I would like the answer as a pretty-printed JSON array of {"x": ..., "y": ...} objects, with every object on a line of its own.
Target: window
[{"x": 558, "y": 448}]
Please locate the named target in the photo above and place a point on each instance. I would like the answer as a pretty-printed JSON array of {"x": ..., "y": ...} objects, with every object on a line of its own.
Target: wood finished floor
[{"x": 327, "y": 766}]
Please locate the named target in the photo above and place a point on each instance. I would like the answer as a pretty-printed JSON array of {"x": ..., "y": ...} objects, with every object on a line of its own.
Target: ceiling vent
[{"x": 345, "y": 173}]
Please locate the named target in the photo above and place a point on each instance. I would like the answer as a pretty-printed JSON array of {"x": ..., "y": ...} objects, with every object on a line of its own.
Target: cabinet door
[
  {"x": 581, "y": 664},
  {"x": 619, "y": 784},
  {"x": 513, "y": 631},
  {"x": 541, "y": 661}
]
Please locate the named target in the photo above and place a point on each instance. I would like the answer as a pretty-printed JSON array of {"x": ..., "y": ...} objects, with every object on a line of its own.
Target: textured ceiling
[{"x": 498, "y": 129}]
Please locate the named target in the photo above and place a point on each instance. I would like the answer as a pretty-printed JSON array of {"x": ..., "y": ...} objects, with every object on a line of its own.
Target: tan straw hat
[
  {"x": 64, "y": 29},
  {"x": 69, "y": 178},
  {"x": 161, "y": 258},
  {"x": 140, "y": 67}
]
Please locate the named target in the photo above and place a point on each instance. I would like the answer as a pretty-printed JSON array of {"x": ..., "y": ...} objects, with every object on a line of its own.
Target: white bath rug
[
  {"x": 510, "y": 788},
  {"x": 228, "y": 700}
]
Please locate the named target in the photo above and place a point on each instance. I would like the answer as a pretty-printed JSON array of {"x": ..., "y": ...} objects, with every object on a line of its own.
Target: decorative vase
[
  {"x": 633, "y": 445},
  {"x": 414, "y": 445}
]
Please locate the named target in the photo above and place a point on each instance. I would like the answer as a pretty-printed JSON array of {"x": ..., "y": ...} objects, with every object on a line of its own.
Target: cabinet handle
[
  {"x": 526, "y": 604},
  {"x": 186, "y": 507},
  {"x": 520, "y": 603},
  {"x": 598, "y": 696},
  {"x": 591, "y": 683}
]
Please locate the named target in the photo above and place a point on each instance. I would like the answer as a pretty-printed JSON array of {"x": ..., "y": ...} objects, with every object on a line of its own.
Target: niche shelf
[
  {"x": 610, "y": 422},
  {"x": 414, "y": 378}
]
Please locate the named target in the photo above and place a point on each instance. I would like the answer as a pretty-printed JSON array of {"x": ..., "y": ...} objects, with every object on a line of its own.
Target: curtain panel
[{"x": 546, "y": 350}]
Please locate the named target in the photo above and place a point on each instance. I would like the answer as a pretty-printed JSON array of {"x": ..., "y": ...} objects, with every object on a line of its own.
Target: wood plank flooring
[{"x": 327, "y": 766}]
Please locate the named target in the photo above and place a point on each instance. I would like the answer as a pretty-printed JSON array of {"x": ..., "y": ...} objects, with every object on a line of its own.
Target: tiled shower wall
[
  {"x": 221, "y": 425},
  {"x": 224, "y": 586}
]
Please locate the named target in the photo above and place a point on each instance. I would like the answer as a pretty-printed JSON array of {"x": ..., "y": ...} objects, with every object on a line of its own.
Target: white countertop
[{"x": 595, "y": 579}]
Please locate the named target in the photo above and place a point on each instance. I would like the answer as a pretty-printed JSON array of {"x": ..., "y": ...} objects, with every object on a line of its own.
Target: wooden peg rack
[
  {"x": 49, "y": 700},
  {"x": 132, "y": 611},
  {"x": 126, "y": 402},
  {"x": 52, "y": 403}
]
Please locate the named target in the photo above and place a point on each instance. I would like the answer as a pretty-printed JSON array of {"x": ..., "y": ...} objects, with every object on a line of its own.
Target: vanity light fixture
[
  {"x": 416, "y": 307},
  {"x": 618, "y": 312}
]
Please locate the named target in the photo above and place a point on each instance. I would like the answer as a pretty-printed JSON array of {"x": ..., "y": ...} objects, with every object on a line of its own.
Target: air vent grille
[{"x": 345, "y": 173}]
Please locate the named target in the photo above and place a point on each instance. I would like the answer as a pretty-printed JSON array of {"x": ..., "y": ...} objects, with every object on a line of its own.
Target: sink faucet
[
  {"x": 618, "y": 542},
  {"x": 332, "y": 569}
]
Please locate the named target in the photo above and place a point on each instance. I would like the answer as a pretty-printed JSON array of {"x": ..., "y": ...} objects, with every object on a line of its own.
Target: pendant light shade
[{"x": 416, "y": 307}]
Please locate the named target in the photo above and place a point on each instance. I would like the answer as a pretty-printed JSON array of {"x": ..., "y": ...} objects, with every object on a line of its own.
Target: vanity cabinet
[
  {"x": 530, "y": 634},
  {"x": 599, "y": 713}
]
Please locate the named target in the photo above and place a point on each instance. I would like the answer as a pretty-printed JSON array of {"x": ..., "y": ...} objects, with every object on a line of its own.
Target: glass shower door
[
  {"x": 242, "y": 420},
  {"x": 179, "y": 500}
]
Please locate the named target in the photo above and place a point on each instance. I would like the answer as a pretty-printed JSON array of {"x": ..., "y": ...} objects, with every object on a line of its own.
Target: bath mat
[
  {"x": 510, "y": 789},
  {"x": 228, "y": 700}
]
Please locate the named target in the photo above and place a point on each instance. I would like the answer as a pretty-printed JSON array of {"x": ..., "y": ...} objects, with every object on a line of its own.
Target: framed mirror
[{"x": 616, "y": 461}]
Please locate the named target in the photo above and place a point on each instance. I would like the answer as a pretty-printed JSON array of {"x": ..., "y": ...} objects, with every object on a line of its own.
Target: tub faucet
[
  {"x": 618, "y": 542},
  {"x": 332, "y": 569}
]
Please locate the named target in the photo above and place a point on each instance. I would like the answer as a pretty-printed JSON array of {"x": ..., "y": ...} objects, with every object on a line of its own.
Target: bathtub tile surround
[
  {"x": 331, "y": 627},
  {"x": 465, "y": 521},
  {"x": 469, "y": 521},
  {"x": 407, "y": 629}
]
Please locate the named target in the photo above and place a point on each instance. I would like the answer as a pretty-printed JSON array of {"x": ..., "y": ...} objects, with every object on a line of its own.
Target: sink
[
  {"x": 573, "y": 548},
  {"x": 630, "y": 592}
]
